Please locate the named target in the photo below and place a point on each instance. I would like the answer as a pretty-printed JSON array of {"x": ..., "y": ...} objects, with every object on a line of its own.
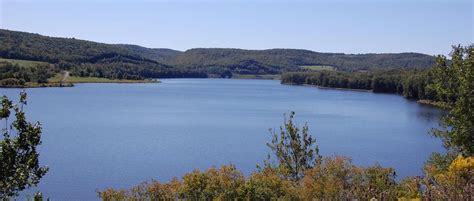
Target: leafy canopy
[
  {"x": 19, "y": 167},
  {"x": 454, "y": 84}
]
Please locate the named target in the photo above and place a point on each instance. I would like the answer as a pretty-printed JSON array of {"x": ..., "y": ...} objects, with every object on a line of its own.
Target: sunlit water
[{"x": 118, "y": 135}]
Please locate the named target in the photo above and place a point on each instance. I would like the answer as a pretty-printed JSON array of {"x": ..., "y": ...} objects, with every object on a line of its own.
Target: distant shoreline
[
  {"x": 79, "y": 80},
  {"x": 431, "y": 103},
  {"x": 329, "y": 88},
  {"x": 344, "y": 89}
]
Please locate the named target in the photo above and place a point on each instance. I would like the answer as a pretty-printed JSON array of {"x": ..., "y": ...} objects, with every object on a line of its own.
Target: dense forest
[
  {"x": 412, "y": 84},
  {"x": 118, "y": 61},
  {"x": 85, "y": 58},
  {"x": 282, "y": 60},
  {"x": 14, "y": 75}
]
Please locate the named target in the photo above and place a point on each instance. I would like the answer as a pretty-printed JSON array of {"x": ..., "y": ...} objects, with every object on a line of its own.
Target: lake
[{"x": 118, "y": 135}]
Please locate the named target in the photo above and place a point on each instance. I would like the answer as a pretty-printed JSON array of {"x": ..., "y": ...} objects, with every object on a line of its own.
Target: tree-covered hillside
[
  {"x": 27, "y": 46},
  {"x": 278, "y": 60},
  {"x": 91, "y": 59},
  {"x": 84, "y": 58},
  {"x": 161, "y": 55}
]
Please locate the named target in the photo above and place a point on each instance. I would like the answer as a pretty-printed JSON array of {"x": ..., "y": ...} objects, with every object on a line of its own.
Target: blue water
[{"x": 118, "y": 135}]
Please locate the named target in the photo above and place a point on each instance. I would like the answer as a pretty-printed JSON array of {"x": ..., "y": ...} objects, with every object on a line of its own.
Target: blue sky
[{"x": 366, "y": 26}]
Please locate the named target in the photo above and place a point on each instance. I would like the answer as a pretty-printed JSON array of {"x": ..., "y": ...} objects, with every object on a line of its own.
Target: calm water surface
[{"x": 118, "y": 135}]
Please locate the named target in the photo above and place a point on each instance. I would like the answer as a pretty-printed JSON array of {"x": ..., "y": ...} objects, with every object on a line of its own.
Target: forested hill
[
  {"x": 158, "y": 54},
  {"x": 293, "y": 59},
  {"x": 27, "y": 46},
  {"x": 86, "y": 58}
]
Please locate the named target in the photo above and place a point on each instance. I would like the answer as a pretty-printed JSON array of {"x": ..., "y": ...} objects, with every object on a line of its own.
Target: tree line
[
  {"x": 141, "y": 62},
  {"x": 284, "y": 60},
  {"x": 410, "y": 83}
]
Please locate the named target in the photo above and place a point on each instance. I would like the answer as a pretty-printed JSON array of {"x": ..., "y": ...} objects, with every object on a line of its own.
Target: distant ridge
[{"x": 219, "y": 61}]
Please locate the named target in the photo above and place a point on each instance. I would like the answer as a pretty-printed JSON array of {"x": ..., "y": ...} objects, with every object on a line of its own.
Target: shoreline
[
  {"x": 343, "y": 89},
  {"x": 72, "y": 83},
  {"x": 329, "y": 88},
  {"x": 431, "y": 103},
  {"x": 45, "y": 85},
  {"x": 421, "y": 101}
]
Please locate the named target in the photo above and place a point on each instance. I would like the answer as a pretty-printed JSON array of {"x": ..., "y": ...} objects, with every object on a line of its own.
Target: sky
[{"x": 364, "y": 26}]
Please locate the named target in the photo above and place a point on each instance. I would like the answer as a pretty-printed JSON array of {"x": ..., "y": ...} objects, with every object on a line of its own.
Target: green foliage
[
  {"x": 23, "y": 63},
  {"x": 410, "y": 83},
  {"x": 295, "y": 148},
  {"x": 317, "y": 67},
  {"x": 90, "y": 59},
  {"x": 283, "y": 60},
  {"x": 374, "y": 182},
  {"x": 333, "y": 178},
  {"x": 194, "y": 185},
  {"x": 214, "y": 184},
  {"x": 19, "y": 168},
  {"x": 409, "y": 188},
  {"x": 224, "y": 183},
  {"x": 268, "y": 184},
  {"x": 14, "y": 75},
  {"x": 454, "y": 84}
]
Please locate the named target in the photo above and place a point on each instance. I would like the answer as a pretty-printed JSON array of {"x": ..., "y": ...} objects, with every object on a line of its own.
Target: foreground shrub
[
  {"x": 215, "y": 184},
  {"x": 224, "y": 183},
  {"x": 268, "y": 184},
  {"x": 454, "y": 183},
  {"x": 330, "y": 179},
  {"x": 302, "y": 174},
  {"x": 194, "y": 185},
  {"x": 153, "y": 190},
  {"x": 336, "y": 178},
  {"x": 111, "y": 194},
  {"x": 374, "y": 182},
  {"x": 409, "y": 189}
]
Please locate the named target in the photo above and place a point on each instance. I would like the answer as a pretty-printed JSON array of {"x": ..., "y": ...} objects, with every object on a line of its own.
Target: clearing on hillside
[
  {"x": 318, "y": 67},
  {"x": 23, "y": 63}
]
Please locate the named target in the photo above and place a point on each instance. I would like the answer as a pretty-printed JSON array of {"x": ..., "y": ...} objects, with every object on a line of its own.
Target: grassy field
[
  {"x": 73, "y": 79},
  {"x": 264, "y": 77},
  {"x": 22, "y": 63},
  {"x": 318, "y": 67}
]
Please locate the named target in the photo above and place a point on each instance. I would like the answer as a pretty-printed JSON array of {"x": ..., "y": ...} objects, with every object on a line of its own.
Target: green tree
[
  {"x": 454, "y": 84},
  {"x": 295, "y": 148},
  {"x": 42, "y": 74},
  {"x": 268, "y": 184},
  {"x": 19, "y": 168},
  {"x": 194, "y": 185}
]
